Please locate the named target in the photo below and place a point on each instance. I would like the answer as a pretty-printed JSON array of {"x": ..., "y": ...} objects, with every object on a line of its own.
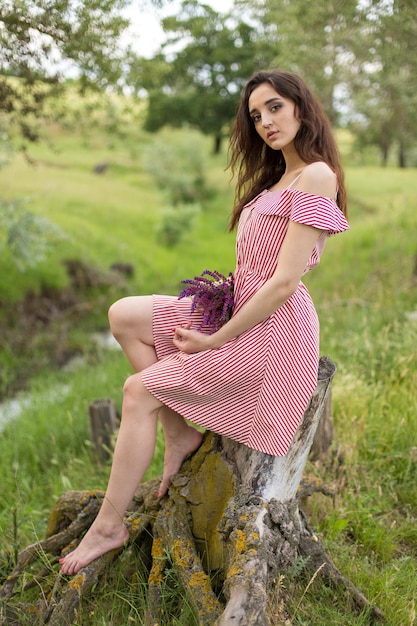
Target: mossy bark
[{"x": 231, "y": 526}]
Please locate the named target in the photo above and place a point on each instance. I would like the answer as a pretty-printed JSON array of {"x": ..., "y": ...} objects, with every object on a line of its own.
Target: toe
[{"x": 163, "y": 488}]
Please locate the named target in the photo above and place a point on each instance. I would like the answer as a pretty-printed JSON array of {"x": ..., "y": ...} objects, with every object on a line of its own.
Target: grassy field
[{"x": 366, "y": 296}]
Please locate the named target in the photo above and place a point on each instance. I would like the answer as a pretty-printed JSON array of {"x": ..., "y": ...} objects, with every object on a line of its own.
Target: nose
[{"x": 266, "y": 121}]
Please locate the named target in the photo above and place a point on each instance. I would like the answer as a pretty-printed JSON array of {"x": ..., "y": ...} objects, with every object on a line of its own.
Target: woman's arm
[
  {"x": 317, "y": 179},
  {"x": 296, "y": 249}
]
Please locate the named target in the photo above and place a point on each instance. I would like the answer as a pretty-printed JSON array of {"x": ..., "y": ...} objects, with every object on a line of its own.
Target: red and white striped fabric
[{"x": 256, "y": 387}]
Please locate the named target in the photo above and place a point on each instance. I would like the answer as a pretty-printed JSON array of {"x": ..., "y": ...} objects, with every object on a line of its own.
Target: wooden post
[{"x": 103, "y": 423}]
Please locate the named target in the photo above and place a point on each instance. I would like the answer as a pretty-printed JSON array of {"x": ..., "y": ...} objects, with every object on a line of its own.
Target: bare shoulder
[{"x": 318, "y": 179}]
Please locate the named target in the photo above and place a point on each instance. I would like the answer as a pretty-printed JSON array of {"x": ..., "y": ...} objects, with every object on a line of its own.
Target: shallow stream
[{"x": 11, "y": 409}]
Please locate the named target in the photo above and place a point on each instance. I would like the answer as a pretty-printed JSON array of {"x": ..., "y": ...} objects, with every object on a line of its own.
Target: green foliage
[
  {"x": 42, "y": 42},
  {"x": 199, "y": 83},
  {"x": 175, "y": 221},
  {"x": 6, "y": 149},
  {"x": 384, "y": 95},
  {"x": 177, "y": 162},
  {"x": 28, "y": 237},
  {"x": 116, "y": 119},
  {"x": 86, "y": 32}
]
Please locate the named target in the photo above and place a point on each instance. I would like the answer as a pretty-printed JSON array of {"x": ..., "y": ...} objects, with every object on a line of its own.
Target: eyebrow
[{"x": 266, "y": 102}]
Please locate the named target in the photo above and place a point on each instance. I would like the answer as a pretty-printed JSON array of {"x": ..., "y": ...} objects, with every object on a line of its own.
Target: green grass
[
  {"x": 364, "y": 291},
  {"x": 112, "y": 217}
]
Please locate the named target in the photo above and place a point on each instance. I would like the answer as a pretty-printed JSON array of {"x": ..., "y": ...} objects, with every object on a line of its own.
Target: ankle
[{"x": 107, "y": 527}]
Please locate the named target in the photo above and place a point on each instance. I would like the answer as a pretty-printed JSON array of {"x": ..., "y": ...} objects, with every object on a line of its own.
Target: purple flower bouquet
[{"x": 212, "y": 293}]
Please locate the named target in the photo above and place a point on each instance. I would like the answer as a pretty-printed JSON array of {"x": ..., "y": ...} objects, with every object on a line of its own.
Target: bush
[
  {"x": 27, "y": 236},
  {"x": 177, "y": 163},
  {"x": 175, "y": 222}
]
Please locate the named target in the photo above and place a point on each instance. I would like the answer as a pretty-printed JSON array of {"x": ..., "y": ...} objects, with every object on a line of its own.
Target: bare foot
[
  {"x": 175, "y": 454},
  {"x": 97, "y": 541}
]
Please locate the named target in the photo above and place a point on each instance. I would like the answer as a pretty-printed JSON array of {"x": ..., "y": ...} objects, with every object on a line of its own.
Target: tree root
[
  {"x": 172, "y": 528},
  {"x": 260, "y": 539}
]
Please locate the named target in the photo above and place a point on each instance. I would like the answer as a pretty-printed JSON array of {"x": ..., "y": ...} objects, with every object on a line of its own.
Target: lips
[{"x": 272, "y": 134}]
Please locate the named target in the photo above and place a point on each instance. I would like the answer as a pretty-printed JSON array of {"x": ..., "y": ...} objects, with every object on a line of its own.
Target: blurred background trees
[
  {"x": 42, "y": 43},
  {"x": 200, "y": 70},
  {"x": 359, "y": 57},
  {"x": 383, "y": 77}
]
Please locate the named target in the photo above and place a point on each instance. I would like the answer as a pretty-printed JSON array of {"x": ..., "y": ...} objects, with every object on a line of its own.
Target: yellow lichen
[
  {"x": 210, "y": 605},
  {"x": 198, "y": 579},
  {"x": 182, "y": 552},
  {"x": 77, "y": 582},
  {"x": 156, "y": 575},
  {"x": 212, "y": 487},
  {"x": 136, "y": 524},
  {"x": 240, "y": 541},
  {"x": 157, "y": 548},
  {"x": 158, "y": 562},
  {"x": 234, "y": 570}
]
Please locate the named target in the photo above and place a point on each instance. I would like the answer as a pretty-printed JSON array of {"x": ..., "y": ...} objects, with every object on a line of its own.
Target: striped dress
[{"x": 256, "y": 387}]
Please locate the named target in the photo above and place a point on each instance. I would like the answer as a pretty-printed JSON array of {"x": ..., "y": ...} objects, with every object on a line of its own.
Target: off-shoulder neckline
[{"x": 292, "y": 190}]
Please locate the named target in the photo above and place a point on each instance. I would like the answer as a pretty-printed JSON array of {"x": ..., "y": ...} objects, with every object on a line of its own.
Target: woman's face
[{"x": 274, "y": 117}]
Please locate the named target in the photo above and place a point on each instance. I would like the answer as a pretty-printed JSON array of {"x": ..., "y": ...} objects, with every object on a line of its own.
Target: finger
[
  {"x": 180, "y": 327},
  {"x": 182, "y": 332},
  {"x": 178, "y": 332}
]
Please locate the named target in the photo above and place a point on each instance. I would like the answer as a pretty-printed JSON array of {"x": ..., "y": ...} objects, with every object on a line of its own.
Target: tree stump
[
  {"x": 232, "y": 516},
  {"x": 323, "y": 438}
]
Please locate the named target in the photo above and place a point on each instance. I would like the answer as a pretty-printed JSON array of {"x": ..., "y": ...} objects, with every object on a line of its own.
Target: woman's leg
[
  {"x": 132, "y": 456},
  {"x": 131, "y": 324}
]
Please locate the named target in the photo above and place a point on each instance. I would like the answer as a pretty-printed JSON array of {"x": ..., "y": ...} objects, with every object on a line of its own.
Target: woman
[{"x": 252, "y": 379}]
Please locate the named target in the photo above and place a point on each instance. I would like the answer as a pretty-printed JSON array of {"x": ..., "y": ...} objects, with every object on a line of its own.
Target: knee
[
  {"x": 128, "y": 315},
  {"x": 134, "y": 388},
  {"x": 136, "y": 394},
  {"x": 117, "y": 317}
]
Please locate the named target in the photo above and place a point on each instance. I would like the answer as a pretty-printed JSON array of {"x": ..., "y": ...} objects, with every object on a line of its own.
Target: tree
[
  {"x": 359, "y": 57},
  {"x": 37, "y": 38},
  {"x": 311, "y": 39},
  {"x": 384, "y": 87},
  {"x": 199, "y": 83}
]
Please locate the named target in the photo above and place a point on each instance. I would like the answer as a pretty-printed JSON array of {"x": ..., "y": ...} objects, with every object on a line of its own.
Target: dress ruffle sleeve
[{"x": 317, "y": 211}]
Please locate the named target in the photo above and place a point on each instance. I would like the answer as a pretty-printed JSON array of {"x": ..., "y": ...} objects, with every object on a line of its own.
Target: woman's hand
[{"x": 190, "y": 341}]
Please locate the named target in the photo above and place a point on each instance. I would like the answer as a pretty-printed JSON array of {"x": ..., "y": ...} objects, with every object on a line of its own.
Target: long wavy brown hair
[{"x": 259, "y": 167}]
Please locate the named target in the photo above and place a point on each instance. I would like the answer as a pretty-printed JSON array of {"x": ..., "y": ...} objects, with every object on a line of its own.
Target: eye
[
  {"x": 276, "y": 107},
  {"x": 256, "y": 118}
]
